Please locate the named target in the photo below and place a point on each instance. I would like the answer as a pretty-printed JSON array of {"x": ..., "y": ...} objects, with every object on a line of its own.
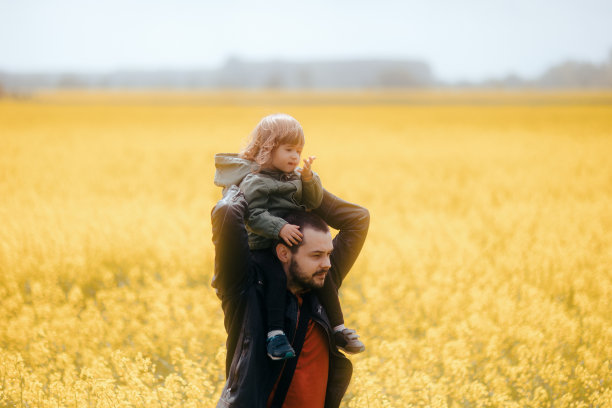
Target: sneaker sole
[
  {"x": 352, "y": 351},
  {"x": 285, "y": 357}
]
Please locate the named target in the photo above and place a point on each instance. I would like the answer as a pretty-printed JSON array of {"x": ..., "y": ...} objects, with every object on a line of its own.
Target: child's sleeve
[
  {"x": 312, "y": 192},
  {"x": 259, "y": 220}
]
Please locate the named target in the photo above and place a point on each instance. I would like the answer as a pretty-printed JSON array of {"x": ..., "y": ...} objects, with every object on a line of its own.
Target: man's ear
[{"x": 283, "y": 253}]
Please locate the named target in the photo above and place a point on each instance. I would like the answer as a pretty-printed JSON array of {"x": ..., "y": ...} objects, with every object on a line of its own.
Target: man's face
[{"x": 308, "y": 266}]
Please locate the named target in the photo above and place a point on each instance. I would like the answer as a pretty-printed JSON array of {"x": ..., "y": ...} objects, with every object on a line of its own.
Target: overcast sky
[{"x": 462, "y": 39}]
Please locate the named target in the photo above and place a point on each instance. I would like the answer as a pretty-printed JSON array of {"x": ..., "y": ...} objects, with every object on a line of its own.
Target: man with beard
[{"x": 320, "y": 374}]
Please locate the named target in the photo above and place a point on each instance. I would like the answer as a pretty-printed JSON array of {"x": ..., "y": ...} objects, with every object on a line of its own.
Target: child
[{"x": 273, "y": 186}]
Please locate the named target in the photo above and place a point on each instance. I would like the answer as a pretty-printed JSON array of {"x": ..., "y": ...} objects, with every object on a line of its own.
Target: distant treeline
[
  {"x": 352, "y": 74},
  {"x": 569, "y": 74}
]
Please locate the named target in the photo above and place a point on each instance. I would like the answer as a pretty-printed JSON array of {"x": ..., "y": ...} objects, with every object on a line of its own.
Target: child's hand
[
  {"x": 306, "y": 170},
  {"x": 290, "y": 234}
]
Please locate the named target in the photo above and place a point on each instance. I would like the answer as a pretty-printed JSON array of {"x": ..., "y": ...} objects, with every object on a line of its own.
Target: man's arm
[
  {"x": 353, "y": 222},
  {"x": 231, "y": 243}
]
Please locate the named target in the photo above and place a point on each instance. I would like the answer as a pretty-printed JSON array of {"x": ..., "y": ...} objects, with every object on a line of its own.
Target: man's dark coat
[{"x": 250, "y": 374}]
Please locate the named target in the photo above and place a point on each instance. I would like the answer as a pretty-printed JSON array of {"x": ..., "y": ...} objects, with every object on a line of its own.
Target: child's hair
[{"x": 271, "y": 132}]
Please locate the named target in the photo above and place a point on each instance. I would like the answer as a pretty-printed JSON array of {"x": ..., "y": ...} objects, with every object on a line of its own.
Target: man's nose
[{"x": 326, "y": 263}]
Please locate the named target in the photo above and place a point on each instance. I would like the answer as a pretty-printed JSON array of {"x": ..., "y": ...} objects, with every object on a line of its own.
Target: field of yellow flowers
[{"x": 485, "y": 281}]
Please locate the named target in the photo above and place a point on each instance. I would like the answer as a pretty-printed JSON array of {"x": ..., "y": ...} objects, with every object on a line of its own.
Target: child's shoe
[
  {"x": 348, "y": 340},
  {"x": 279, "y": 348}
]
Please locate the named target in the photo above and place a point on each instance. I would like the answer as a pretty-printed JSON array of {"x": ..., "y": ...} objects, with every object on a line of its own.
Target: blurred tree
[
  {"x": 70, "y": 81},
  {"x": 275, "y": 80}
]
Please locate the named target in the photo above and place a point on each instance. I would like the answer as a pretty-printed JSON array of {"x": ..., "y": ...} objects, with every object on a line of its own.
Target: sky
[{"x": 460, "y": 40}]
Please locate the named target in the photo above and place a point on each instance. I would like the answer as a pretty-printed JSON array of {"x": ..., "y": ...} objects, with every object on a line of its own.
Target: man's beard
[{"x": 299, "y": 279}]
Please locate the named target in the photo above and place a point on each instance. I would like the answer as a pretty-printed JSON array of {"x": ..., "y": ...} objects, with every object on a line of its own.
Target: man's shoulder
[{"x": 233, "y": 197}]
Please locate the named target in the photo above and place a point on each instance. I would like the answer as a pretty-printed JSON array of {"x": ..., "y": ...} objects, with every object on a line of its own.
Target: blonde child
[{"x": 273, "y": 186}]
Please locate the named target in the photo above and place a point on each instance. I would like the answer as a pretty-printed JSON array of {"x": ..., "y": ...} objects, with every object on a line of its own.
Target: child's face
[{"x": 286, "y": 157}]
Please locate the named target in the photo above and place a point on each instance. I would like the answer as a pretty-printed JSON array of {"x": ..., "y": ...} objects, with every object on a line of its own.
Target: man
[{"x": 320, "y": 374}]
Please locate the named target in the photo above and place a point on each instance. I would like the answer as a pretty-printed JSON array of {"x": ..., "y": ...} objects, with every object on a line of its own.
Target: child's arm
[
  {"x": 312, "y": 189},
  {"x": 260, "y": 221}
]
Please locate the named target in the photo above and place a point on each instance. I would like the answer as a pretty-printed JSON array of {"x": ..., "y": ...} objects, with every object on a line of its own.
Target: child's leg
[
  {"x": 275, "y": 287},
  {"x": 346, "y": 339},
  {"x": 328, "y": 296}
]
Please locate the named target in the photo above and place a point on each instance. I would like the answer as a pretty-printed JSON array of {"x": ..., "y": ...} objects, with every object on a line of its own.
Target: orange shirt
[{"x": 309, "y": 383}]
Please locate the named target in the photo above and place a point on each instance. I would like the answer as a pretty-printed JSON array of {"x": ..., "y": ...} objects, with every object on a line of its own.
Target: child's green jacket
[{"x": 269, "y": 194}]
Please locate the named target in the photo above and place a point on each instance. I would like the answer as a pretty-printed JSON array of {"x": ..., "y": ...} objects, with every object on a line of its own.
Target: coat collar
[{"x": 280, "y": 175}]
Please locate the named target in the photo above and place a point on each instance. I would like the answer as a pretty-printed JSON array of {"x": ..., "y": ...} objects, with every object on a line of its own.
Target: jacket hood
[{"x": 231, "y": 169}]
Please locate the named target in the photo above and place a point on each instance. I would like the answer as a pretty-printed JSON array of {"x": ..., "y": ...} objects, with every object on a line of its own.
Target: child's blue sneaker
[{"x": 279, "y": 348}]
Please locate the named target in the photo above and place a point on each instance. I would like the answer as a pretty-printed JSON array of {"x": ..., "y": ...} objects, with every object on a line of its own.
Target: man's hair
[{"x": 304, "y": 220}]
